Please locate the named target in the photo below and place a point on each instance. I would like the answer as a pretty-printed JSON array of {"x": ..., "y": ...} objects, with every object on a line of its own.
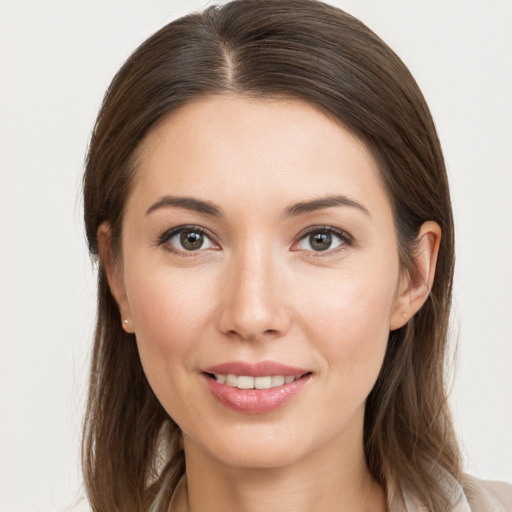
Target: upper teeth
[{"x": 247, "y": 382}]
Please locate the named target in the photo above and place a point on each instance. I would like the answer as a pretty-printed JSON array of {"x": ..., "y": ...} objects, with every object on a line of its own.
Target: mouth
[
  {"x": 251, "y": 382},
  {"x": 255, "y": 388}
]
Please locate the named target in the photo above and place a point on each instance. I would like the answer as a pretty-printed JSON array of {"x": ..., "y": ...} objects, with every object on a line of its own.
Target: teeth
[
  {"x": 278, "y": 380},
  {"x": 262, "y": 382},
  {"x": 232, "y": 380},
  {"x": 247, "y": 382}
]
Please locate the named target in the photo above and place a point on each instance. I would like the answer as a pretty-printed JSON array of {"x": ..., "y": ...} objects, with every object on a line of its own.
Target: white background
[{"x": 56, "y": 60}]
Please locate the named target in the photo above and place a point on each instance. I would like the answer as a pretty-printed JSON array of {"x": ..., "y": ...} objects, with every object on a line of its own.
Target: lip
[
  {"x": 260, "y": 369},
  {"x": 256, "y": 401}
]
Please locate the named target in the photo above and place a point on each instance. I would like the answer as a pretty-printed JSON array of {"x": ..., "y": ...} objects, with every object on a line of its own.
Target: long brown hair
[{"x": 300, "y": 49}]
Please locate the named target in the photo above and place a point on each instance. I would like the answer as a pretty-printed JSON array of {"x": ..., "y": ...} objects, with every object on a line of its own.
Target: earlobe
[
  {"x": 114, "y": 276},
  {"x": 415, "y": 288}
]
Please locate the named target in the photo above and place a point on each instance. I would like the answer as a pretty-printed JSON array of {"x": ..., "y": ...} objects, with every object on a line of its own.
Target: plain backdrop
[{"x": 56, "y": 60}]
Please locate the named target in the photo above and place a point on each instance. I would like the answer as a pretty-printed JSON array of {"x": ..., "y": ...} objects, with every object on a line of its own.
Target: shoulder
[
  {"x": 469, "y": 494},
  {"x": 484, "y": 496}
]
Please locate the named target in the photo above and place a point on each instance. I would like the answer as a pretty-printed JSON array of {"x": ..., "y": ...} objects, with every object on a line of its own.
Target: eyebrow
[
  {"x": 304, "y": 207},
  {"x": 295, "y": 210},
  {"x": 188, "y": 203}
]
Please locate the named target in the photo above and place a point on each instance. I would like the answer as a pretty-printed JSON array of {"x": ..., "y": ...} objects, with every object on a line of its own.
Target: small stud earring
[
  {"x": 127, "y": 326},
  {"x": 405, "y": 315}
]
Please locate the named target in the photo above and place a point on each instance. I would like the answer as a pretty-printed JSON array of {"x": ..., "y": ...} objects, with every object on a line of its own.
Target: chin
[
  {"x": 258, "y": 457},
  {"x": 260, "y": 448}
]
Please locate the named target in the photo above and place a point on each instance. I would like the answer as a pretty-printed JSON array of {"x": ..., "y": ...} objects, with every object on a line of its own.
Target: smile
[
  {"x": 248, "y": 382},
  {"x": 255, "y": 388}
]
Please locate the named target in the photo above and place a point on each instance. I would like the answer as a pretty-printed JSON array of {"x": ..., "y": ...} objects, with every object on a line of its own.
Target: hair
[{"x": 299, "y": 49}]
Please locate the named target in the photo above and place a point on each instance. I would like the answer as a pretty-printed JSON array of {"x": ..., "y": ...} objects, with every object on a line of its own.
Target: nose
[{"x": 253, "y": 305}]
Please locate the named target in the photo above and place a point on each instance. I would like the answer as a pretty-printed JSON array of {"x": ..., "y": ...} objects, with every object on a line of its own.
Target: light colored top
[{"x": 471, "y": 495}]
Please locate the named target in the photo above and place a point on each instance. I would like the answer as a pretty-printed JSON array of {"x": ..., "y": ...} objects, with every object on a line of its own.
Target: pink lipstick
[{"x": 255, "y": 388}]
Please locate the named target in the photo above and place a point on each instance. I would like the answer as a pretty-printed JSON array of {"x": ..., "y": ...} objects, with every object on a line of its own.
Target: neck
[{"x": 319, "y": 482}]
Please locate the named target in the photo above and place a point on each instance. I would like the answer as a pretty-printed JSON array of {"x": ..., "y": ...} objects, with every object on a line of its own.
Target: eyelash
[
  {"x": 343, "y": 236},
  {"x": 168, "y": 235}
]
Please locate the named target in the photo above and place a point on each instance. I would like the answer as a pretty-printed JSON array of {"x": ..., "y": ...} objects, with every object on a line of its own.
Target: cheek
[
  {"x": 170, "y": 316},
  {"x": 169, "y": 304},
  {"x": 350, "y": 322}
]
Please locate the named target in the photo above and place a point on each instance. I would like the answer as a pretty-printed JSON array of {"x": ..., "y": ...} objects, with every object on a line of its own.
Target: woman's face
[{"x": 259, "y": 245}]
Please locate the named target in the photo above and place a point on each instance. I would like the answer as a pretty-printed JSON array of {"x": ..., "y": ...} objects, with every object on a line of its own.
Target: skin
[{"x": 257, "y": 290}]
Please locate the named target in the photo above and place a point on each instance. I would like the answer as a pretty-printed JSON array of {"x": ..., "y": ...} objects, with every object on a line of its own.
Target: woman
[{"x": 267, "y": 197}]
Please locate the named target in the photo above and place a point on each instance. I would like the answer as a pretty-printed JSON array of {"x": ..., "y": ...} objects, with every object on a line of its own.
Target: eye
[
  {"x": 322, "y": 239},
  {"x": 187, "y": 239}
]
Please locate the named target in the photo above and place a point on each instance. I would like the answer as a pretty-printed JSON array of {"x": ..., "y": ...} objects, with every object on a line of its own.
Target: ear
[
  {"x": 114, "y": 272},
  {"x": 415, "y": 287}
]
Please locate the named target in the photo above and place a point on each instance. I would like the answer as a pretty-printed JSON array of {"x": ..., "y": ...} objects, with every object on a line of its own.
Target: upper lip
[{"x": 259, "y": 369}]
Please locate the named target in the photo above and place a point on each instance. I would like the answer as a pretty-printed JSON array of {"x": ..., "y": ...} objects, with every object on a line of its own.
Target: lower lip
[{"x": 256, "y": 401}]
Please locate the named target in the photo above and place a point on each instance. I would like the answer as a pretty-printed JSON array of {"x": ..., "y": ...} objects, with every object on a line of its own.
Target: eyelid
[
  {"x": 170, "y": 233},
  {"x": 345, "y": 237}
]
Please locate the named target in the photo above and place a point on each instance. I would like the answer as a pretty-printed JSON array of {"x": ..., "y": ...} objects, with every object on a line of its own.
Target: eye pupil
[
  {"x": 320, "y": 241},
  {"x": 191, "y": 240}
]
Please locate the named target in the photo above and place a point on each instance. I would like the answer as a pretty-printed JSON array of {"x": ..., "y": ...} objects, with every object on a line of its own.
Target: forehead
[{"x": 234, "y": 148}]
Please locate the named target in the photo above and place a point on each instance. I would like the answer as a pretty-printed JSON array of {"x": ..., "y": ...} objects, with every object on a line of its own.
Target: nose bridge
[{"x": 252, "y": 305}]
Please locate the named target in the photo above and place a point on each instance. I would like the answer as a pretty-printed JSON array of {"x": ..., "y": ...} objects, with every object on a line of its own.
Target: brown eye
[
  {"x": 191, "y": 241},
  {"x": 323, "y": 239},
  {"x": 320, "y": 241},
  {"x": 187, "y": 239}
]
